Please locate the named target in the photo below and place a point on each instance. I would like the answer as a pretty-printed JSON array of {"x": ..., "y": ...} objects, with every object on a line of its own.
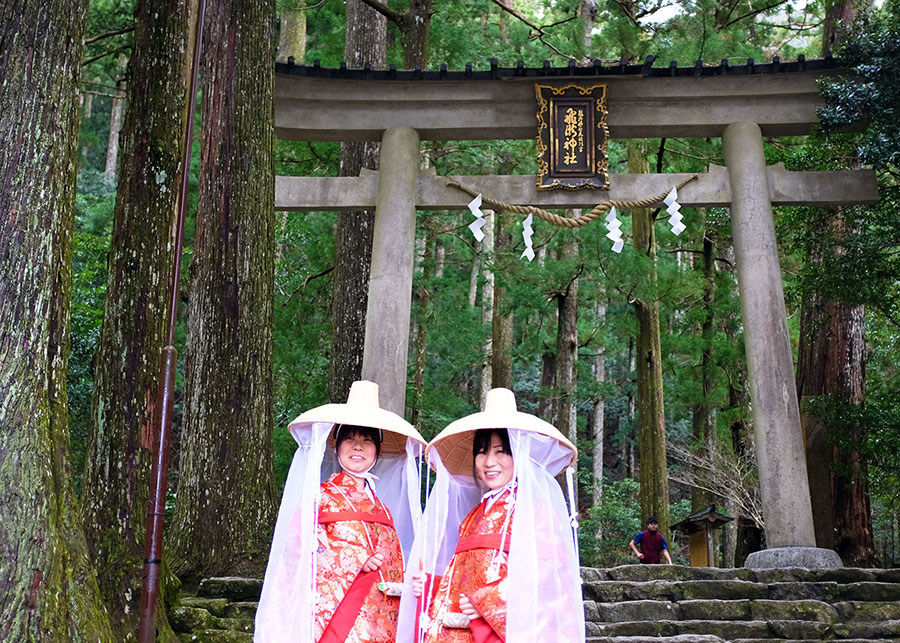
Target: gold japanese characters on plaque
[{"x": 572, "y": 136}]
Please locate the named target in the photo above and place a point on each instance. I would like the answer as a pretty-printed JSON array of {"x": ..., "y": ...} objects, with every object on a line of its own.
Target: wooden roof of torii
[{"x": 338, "y": 104}]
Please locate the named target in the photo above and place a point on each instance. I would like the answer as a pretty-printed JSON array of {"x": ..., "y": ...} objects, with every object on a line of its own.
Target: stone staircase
[
  {"x": 651, "y": 603},
  {"x": 638, "y": 603}
]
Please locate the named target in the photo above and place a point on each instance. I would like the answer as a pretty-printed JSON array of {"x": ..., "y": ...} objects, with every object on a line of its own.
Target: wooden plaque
[{"x": 572, "y": 136}]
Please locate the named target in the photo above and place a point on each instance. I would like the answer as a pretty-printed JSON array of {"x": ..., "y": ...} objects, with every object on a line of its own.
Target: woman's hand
[
  {"x": 466, "y": 607},
  {"x": 374, "y": 562},
  {"x": 418, "y": 583}
]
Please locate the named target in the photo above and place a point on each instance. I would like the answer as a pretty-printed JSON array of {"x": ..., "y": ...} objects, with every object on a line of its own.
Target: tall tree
[
  {"x": 831, "y": 363},
  {"x": 49, "y": 589},
  {"x": 650, "y": 411},
  {"x": 365, "y": 44},
  {"x": 292, "y": 31},
  {"x": 704, "y": 414},
  {"x": 126, "y": 366},
  {"x": 414, "y": 25},
  {"x": 226, "y": 495}
]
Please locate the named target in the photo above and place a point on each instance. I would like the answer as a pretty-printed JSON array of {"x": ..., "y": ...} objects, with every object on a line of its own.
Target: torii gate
[{"x": 740, "y": 104}]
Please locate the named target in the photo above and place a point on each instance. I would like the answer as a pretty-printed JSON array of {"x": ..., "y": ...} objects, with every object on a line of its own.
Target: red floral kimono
[
  {"x": 478, "y": 570},
  {"x": 345, "y": 543}
]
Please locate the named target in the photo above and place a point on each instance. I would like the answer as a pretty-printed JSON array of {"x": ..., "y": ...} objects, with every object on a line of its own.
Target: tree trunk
[
  {"x": 548, "y": 382},
  {"x": 502, "y": 317},
  {"x": 292, "y": 33},
  {"x": 831, "y": 366},
  {"x": 414, "y": 28},
  {"x": 424, "y": 297},
  {"x": 117, "y": 467},
  {"x": 487, "y": 304},
  {"x": 651, "y": 416},
  {"x": 115, "y": 122},
  {"x": 567, "y": 344},
  {"x": 50, "y": 592},
  {"x": 704, "y": 415},
  {"x": 366, "y": 43},
  {"x": 226, "y": 496},
  {"x": 598, "y": 416}
]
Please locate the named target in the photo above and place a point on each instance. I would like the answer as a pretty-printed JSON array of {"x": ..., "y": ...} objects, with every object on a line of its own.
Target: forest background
[{"x": 566, "y": 331}]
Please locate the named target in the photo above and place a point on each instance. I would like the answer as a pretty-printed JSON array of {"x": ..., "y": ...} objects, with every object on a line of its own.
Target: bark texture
[
  {"x": 704, "y": 414},
  {"x": 651, "y": 416},
  {"x": 831, "y": 366},
  {"x": 423, "y": 321},
  {"x": 502, "y": 320},
  {"x": 226, "y": 496},
  {"x": 126, "y": 366},
  {"x": 49, "y": 589},
  {"x": 598, "y": 417},
  {"x": 567, "y": 343},
  {"x": 365, "y": 43},
  {"x": 292, "y": 32}
]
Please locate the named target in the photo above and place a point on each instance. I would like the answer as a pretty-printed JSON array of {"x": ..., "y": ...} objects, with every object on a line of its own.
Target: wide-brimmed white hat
[
  {"x": 455, "y": 443},
  {"x": 362, "y": 409}
]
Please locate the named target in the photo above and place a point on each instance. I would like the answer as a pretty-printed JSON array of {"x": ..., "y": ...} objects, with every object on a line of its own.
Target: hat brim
[
  {"x": 455, "y": 443},
  {"x": 395, "y": 430}
]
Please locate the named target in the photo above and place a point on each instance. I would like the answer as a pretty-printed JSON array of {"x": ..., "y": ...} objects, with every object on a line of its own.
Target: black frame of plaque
[{"x": 572, "y": 136}]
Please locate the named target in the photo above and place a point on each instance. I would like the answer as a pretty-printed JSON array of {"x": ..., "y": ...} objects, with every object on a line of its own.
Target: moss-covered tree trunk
[
  {"x": 424, "y": 297},
  {"x": 49, "y": 589},
  {"x": 502, "y": 318},
  {"x": 126, "y": 366},
  {"x": 365, "y": 44},
  {"x": 292, "y": 32},
  {"x": 567, "y": 341},
  {"x": 704, "y": 414},
  {"x": 225, "y": 505},
  {"x": 651, "y": 416},
  {"x": 831, "y": 366}
]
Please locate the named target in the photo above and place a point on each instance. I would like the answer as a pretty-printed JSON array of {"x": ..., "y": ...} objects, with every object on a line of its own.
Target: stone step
[
  {"x": 233, "y": 588},
  {"x": 729, "y": 610},
  {"x": 672, "y": 590},
  {"x": 725, "y": 630},
  {"x": 216, "y": 636},
  {"x": 703, "y": 638},
  {"x": 791, "y": 574}
]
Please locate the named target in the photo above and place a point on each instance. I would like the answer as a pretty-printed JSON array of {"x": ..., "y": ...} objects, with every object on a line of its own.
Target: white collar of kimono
[
  {"x": 494, "y": 494},
  {"x": 366, "y": 475}
]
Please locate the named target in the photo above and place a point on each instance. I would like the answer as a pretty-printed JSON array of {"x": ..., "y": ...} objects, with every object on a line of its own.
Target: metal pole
[{"x": 153, "y": 540}]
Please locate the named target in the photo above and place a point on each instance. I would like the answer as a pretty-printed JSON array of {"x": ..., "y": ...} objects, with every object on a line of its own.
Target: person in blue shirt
[{"x": 652, "y": 544}]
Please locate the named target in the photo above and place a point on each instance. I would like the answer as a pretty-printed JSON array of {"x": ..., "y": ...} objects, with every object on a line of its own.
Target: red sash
[
  {"x": 482, "y": 632},
  {"x": 482, "y": 541},
  {"x": 340, "y": 516},
  {"x": 345, "y": 615}
]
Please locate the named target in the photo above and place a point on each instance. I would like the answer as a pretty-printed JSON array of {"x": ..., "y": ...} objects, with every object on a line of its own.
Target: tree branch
[
  {"x": 394, "y": 16},
  {"x": 540, "y": 31},
  {"x": 105, "y": 54},
  {"x": 750, "y": 14},
  {"x": 108, "y": 34}
]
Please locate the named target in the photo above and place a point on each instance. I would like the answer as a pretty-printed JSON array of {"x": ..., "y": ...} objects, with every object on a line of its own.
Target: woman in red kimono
[
  {"x": 336, "y": 564},
  {"x": 475, "y": 581},
  {"x": 512, "y": 553}
]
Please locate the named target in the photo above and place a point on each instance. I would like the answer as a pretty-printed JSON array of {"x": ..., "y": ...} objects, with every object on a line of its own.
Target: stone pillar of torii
[{"x": 740, "y": 110}]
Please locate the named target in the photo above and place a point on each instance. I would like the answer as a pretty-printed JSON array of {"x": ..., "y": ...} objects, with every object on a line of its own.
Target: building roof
[{"x": 648, "y": 68}]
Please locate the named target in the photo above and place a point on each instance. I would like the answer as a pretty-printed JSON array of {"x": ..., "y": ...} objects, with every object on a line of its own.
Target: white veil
[
  {"x": 544, "y": 586},
  {"x": 285, "y": 612}
]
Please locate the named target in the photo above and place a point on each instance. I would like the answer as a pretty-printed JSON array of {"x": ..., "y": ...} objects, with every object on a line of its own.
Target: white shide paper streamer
[
  {"x": 527, "y": 233},
  {"x": 478, "y": 223},
  {"x": 675, "y": 216},
  {"x": 615, "y": 234}
]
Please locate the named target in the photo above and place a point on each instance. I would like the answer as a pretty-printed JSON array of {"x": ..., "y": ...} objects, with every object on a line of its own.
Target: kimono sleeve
[{"x": 490, "y": 601}]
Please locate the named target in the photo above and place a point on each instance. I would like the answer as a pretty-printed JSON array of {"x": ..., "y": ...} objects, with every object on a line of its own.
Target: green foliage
[
  {"x": 94, "y": 205},
  {"x": 869, "y": 92}
]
